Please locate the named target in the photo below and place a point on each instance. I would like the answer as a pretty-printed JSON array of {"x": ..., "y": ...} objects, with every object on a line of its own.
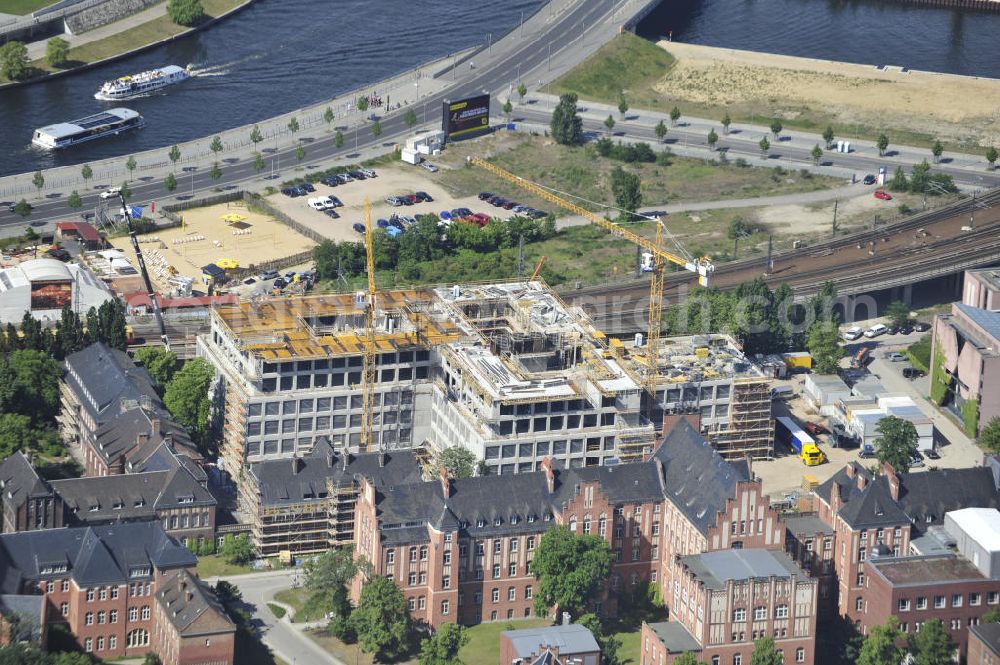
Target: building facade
[
  {"x": 568, "y": 644},
  {"x": 191, "y": 627}
]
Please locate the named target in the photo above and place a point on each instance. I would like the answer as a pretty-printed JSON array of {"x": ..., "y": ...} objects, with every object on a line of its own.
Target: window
[
  {"x": 477, "y": 598},
  {"x": 65, "y": 585},
  {"x": 390, "y": 556},
  {"x": 423, "y": 577},
  {"x": 975, "y": 599},
  {"x": 100, "y": 644},
  {"x": 512, "y": 569},
  {"x": 413, "y": 579},
  {"x": 496, "y": 571},
  {"x": 411, "y": 603},
  {"x": 993, "y": 597},
  {"x": 446, "y": 582},
  {"x": 759, "y": 613},
  {"x": 715, "y": 660},
  {"x": 528, "y": 594},
  {"x": 781, "y": 612},
  {"x": 921, "y": 602},
  {"x": 512, "y": 545},
  {"x": 956, "y": 600},
  {"x": 413, "y": 554},
  {"x": 113, "y": 616},
  {"x": 496, "y": 595},
  {"x": 800, "y": 655},
  {"x": 137, "y": 638},
  {"x": 739, "y": 615},
  {"x": 113, "y": 642},
  {"x": 90, "y": 595},
  {"x": 445, "y": 607},
  {"x": 89, "y": 618},
  {"x": 496, "y": 546},
  {"x": 421, "y": 603},
  {"x": 446, "y": 558},
  {"x": 64, "y": 609},
  {"x": 904, "y": 605},
  {"x": 531, "y": 543},
  {"x": 50, "y": 587},
  {"x": 88, "y": 644},
  {"x": 114, "y": 593},
  {"x": 939, "y": 601},
  {"x": 859, "y": 604},
  {"x": 956, "y": 624},
  {"x": 101, "y": 616},
  {"x": 133, "y": 614},
  {"x": 423, "y": 553},
  {"x": 145, "y": 612},
  {"x": 103, "y": 593},
  {"x": 737, "y": 659},
  {"x": 511, "y": 593}
]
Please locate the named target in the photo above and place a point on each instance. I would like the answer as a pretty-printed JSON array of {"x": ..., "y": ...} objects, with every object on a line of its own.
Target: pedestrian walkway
[{"x": 36, "y": 50}]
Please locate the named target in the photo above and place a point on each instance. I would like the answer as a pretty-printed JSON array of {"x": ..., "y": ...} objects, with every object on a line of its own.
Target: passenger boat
[
  {"x": 127, "y": 87},
  {"x": 65, "y": 134}
]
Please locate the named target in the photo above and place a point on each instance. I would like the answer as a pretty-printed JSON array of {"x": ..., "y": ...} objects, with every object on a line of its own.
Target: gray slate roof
[
  {"x": 191, "y": 607},
  {"x": 106, "y": 376},
  {"x": 675, "y": 637},
  {"x": 92, "y": 554},
  {"x": 697, "y": 480},
  {"x": 806, "y": 524},
  {"x": 19, "y": 480},
  {"x": 984, "y": 318},
  {"x": 988, "y": 634},
  {"x": 714, "y": 569},
  {"x": 569, "y": 639}
]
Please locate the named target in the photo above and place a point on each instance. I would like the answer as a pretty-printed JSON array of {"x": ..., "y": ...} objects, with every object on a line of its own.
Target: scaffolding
[{"x": 750, "y": 426}]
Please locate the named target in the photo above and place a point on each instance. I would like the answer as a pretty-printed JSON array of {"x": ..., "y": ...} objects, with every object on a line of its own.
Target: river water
[
  {"x": 873, "y": 32},
  {"x": 274, "y": 57}
]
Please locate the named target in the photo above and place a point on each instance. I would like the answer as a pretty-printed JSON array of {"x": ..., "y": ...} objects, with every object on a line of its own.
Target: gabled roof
[
  {"x": 569, "y": 639},
  {"x": 696, "y": 478},
  {"x": 624, "y": 483},
  {"x": 90, "y": 555},
  {"x": 103, "y": 376},
  {"x": 873, "y": 506},
  {"x": 714, "y": 569},
  {"x": 191, "y": 607},
  {"x": 19, "y": 480}
]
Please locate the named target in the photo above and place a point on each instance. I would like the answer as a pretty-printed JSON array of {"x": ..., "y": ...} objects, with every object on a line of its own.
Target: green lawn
[
  {"x": 215, "y": 566},
  {"x": 22, "y": 7},
  {"x": 297, "y": 599},
  {"x": 351, "y": 653},
  {"x": 484, "y": 639}
]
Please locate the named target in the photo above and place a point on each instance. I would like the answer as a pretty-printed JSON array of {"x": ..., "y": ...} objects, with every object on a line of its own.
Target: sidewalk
[{"x": 36, "y": 50}]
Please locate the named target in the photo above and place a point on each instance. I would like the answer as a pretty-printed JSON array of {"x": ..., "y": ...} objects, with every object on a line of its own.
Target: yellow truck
[{"x": 798, "y": 441}]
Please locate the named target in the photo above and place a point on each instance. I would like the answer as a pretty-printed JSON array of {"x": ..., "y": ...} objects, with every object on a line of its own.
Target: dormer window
[
  {"x": 548, "y": 517},
  {"x": 531, "y": 518},
  {"x": 118, "y": 505},
  {"x": 139, "y": 571},
  {"x": 139, "y": 503},
  {"x": 515, "y": 519},
  {"x": 480, "y": 524},
  {"x": 94, "y": 507},
  {"x": 498, "y": 521}
]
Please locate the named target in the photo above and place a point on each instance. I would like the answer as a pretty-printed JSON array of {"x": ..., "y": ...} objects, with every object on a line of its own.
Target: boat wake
[{"x": 197, "y": 69}]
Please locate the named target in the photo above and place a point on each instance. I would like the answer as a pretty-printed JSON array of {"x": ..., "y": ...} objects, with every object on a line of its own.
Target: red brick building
[
  {"x": 191, "y": 626},
  {"x": 984, "y": 644},
  {"x": 726, "y": 600},
  {"x": 568, "y": 644}
]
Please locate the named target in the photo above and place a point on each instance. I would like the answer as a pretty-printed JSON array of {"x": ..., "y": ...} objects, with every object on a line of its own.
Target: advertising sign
[
  {"x": 466, "y": 118},
  {"x": 51, "y": 295}
]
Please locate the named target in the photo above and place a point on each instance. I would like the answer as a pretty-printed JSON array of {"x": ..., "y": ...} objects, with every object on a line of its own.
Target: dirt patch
[{"x": 952, "y": 107}]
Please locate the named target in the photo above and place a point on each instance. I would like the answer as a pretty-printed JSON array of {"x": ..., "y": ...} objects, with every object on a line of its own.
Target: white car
[
  {"x": 853, "y": 333},
  {"x": 320, "y": 203},
  {"x": 111, "y": 192},
  {"x": 428, "y": 166},
  {"x": 368, "y": 173}
]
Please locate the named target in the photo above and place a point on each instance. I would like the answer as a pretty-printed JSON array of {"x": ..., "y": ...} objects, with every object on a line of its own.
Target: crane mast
[
  {"x": 368, "y": 371},
  {"x": 145, "y": 273}
]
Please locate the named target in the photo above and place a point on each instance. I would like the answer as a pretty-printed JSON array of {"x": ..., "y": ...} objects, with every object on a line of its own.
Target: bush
[
  {"x": 341, "y": 628},
  {"x": 919, "y": 354},
  {"x": 629, "y": 153},
  {"x": 742, "y": 163},
  {"x": 185, "y": 12},
  {"x": 277, "y": 610}
]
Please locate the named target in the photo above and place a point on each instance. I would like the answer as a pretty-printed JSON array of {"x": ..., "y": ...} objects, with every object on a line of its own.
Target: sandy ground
[
  {"x": 949, "y": 106},
  {"x": 392, "y": 180},
  {"x": 267, "y": 239}
]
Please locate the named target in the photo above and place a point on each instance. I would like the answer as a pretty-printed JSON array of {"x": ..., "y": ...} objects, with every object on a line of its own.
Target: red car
[
  {"x": 882, "y": 194},
  {"x": 479, "y": 218},
  {"x": 816, "y": 428}
]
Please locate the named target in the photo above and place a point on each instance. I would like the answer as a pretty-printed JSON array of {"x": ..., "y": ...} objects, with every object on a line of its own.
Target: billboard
[
  {"x": 51, "y": 295},
  {"x": 466, "y": 118}
]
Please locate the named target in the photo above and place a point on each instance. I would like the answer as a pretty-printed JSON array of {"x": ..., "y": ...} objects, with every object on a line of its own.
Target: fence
[
  {"x": 108, "y": 12},
  {"x": 264, "y": 205}
]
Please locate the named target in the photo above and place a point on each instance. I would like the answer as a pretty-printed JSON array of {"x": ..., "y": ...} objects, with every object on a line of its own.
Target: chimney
[
  {"x": 155, "y": 425},
  {"x": 565, "y": 619},
  {"x": 849, "y": 469},
  {"x": 550, "y": 476},
  {"x": 749, "y": 461},
  {"x": 890, "y": 475},
  {"x": 141, "y": 439},
  {"x": 295, "y": 466},
  {"x": 329, "y": 460},
  {"x": 836, "y": 500},
  {"x": 861, "y": 481},
  {"x": 381, "y": 458},
  {"x": 445, "y": 482}
]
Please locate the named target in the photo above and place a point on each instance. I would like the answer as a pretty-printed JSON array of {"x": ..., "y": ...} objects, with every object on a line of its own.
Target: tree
[
  {"x": 989, "y": 435},
  {"x": 22, "y": 208},
  {"x": 817, "y": 154},
  {"x": 328, "y": 115},
  {"x": 686, "y": 658},
  {"x": 14, "y": 60},
  {"x": 255, "y": 135},
  {"x": 376, "y": 129},
  {"x": 522, "y": 90},
  {"x": 258, "y": 162},
  {"x": 130, "y": 164},
  {"x": 764, "y": 653},
  {"x": 331, "y": 570},
  {"x": 991, "y": 156},
  {"x": 712, "y": 139},
  {"x": 661, "y": 130},
  {"x": 882, "y": 143},
  {"x": 300, "y": 152},
  {"x": 185, "y": 12},
  {"x": 170, "y": 182},
  {"x": 458, "y": 462},
  {"x": 879, "y": 647},
  {"x": 216, "y": 172},
  {"x": 87, "y": 173},
  {"x": 897, "y": 312},
  {"x": 38, "y": 180},
  {"x": 936, "y": 150},
  {"x": 362, "y": 104},
  {"x": 381, "y": 619},
  {"x": 160, "y": 363},
  {"x": 74, "y": 201},
  {"x": 571, "y": 569},
  {"x": 29, "y": 379},
  {"x": 442, "y": 647},
  {"x": 776, "y": 128},
  {"x": 293, "y": 125},
  {"x": 151, "y": 659},
  {"x": 726, "y": 121},
  {"x": 896, "y": 443},
  {"x": 622, "y": 106},
  {"x": 991, "y": 616},
  {"x": 765, "y": 145},
  {"x": 738, "y": 228},
  {"x": 932, "y": 645},
  {"x": 78, "y": 658},
  {"x": 410, "y": 118},
  {"x": 607, "y": 642},
  {"x": 675, "y": 115},
  {"x": 125, "y": 191},
  {"x": 174, "y": 154},
  {"x": 236, "y": 550},
  {"x": 508, "y": 108},
  {"x": 899, "y": 183},
  {"x": 609, "y": 122},
  {"x": 186, "y": 396},
  {"x": 338, "y": 140},
  {"x": 823, "y": 342},
  {"x": 216, "y": 145},
  {"x": 626, "y": 188},
  {"x": 828, "y": 136},
  {"x": 56, "y": 51},
  {"x": 16, "y": 433},
  {"x": 566, "y": 125}
]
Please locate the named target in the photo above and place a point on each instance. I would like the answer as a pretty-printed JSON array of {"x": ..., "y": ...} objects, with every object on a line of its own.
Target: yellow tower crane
[
  {"x": 368, "y": 371},
  {"x": 703, "y": 267}
]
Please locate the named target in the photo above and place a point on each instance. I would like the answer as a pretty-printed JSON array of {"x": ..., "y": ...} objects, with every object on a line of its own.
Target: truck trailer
[{"x": 798, "y": 441}]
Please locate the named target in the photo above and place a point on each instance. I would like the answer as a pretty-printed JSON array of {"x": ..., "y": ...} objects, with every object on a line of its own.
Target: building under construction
[{"x": 508, "y": 371}]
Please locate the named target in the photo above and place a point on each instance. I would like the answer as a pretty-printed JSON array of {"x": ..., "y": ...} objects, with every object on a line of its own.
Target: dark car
[
  {"x": 330, "y": 181},
  {"x": 59, "y": 254},
  {"x": 892, "y": 330},
  {"x": 344, "y": 178},
  {"x": 921, "y": 326},
  {"x": 280, "y": 283},
  {"x": 308, "y": 187},
  {"x": 905, "y": 329},
  {"x": 287, "y": 191},
  {"x": 912, "y": 373},
  {"x": 932, "y": 454},
  {"x": 382, "y": 223},
  {"x": 869, "y": 179},
  {"x": 461, "y": 212},
  {"x": 397, "y": 223},
  {"x": 357, "y": 175},
  {"x": 537, "y": 214},
  {"x": 508, "y": 205},
  {"x": 486, "y": 196},
  {"x": 815, "y": 428},
  {"x": 331, "y": 213},
  {"x": 495, "y": 200},
  {"x": 360, "y": 228},
  {"x": 424, "y": 196}
]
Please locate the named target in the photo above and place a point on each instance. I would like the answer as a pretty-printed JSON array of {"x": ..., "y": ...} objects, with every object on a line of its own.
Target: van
[
  {"x": 876, "y": 330},
  {"x": 852, "y": 333},
  {"x": 110, "y": 192}
]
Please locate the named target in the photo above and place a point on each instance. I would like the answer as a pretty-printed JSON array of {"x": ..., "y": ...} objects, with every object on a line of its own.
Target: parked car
[
  {"x": 331, "y": 213},
  {"x": 445, "y": 215},
  {"x": 905, "y": 329},
  {"x": 486, "y": 196},
  {"x": 394, "y": 201},
  {"x": 111, "y": 192},
  {"x": 280, "y": 283},
  {"x": 892, "y": 330},
  {"x": 424, "y": 196},
  {"x": 853, "y": 333},
  {"x": 916, "y": 460},
  {"x": 397, "y": 223},
  {"x": 815, "y": 428},
  {"x": 895, "y": 357},
  {"x": 882, "y": 194},
  {"x": 368, "y": 173},
  {"x": 330, "y": 181},
  {"x": 268, "y": 274},
  {"x": 535, "y": 213},
  {"x": 335, "y": 201},
  {"x": 932, "y": 454},
  {"x": 344, "y": 178},
  {"x": 429, "y": 167},
  {"x": 869, "y": 179},
  {"x": 381, "y": 223},
  {"x": 357, "y": 175},
  {"x": 360, "y": 228},
  {"x": 307, "y": 187},
  {"x": 461, "y": 212},
  {"x": 920, "y": 326},
  {"x": 414, "y": 198},
  {"x": 912, "y": 373},
  {"x": 482, "y": 219},
  {"x": 508, "y": 205},
  {"x": 249, "y": 280},
  {"x": 59, "y": 254}
]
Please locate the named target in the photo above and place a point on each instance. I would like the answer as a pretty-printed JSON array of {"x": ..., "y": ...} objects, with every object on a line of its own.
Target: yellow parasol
[
  {"x": 228, "y": 264},
  {"x": 232, "y": 218}
]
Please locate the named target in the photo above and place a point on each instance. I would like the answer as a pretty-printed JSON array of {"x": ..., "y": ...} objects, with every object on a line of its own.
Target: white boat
[
  {"x": 106, "y": 123},
  {"x": 127, "y": 87}
]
